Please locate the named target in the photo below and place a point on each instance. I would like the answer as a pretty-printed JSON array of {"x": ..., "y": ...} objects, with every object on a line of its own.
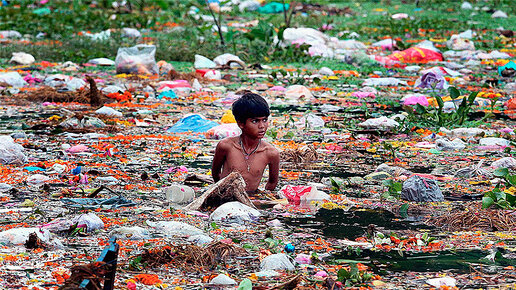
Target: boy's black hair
[{"x": 250, "y": 105}]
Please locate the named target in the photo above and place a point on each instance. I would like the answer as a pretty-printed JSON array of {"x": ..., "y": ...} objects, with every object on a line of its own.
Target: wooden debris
[{"x": 230, "y": 188}]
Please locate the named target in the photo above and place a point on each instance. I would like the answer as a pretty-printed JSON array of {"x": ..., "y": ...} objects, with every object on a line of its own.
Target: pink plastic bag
[{"x": 294, "y": 193}]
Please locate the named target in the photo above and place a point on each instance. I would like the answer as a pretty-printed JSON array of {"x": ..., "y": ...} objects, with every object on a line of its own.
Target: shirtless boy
[{"x": 248, "y": 154}]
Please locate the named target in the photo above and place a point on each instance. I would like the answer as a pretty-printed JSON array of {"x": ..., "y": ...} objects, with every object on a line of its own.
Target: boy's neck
[{"x": 248, "y": 141}]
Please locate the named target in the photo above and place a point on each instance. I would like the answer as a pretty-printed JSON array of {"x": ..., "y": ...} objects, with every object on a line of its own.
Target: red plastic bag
[
  {"x": 511, "y": 104},
  {"x": 294, "y": 193},
  {"x": 416, "y": 55}
]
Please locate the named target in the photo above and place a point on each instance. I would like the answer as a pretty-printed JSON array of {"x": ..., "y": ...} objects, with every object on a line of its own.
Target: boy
[{"x": 248, "y": 154}]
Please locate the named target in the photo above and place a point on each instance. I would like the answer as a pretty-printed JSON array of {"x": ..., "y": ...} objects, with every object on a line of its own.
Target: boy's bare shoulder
[
  {"x": 227, "y": 143},
  {"x": 270, "y": 149}
]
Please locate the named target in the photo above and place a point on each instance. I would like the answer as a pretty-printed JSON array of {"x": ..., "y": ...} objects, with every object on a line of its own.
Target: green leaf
[
  {"x": 343, "y": 275},
  {"x": 487, "y": 202},
  {"x": 500, "y": 172},
  {"x": 440, "y": 102},
  {"x": 454, "y": 93},
  {"x": 511, "y": 179},
  {"x": 404, "y": 210},
  {"x": 472, "y": 97},
  {"x": 420, "y": 109},
  {"x": 387, "y": 182},
  {"x": 511, "y": 199},
  {"x": 500, "y": 195},
  {"x": 503, "y": 204},
  {"x": 398, "y": 186},
  {"x": 335, "y": 184},
  {"x": 214, "y": 226}
]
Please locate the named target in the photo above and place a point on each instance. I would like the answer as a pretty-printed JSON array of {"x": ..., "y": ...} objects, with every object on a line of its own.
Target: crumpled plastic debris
[
  {"x": 421, "y": 190},
  {"x": 192, "y": 123},
  {"x": 11, "y": 152},
  {"x": 93, "y": 203},
  {"x": 235, "y": 212},
  {"x": 278, "y": 262}
]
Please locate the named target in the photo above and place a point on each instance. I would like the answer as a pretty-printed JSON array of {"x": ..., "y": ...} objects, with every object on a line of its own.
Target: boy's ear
[{"x": 240, "y": 124}]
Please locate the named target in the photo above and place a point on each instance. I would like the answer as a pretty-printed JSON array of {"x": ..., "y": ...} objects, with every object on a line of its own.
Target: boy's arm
[
  {"x": 218, "y": 161},
  {"x": 273, "y": 171}
]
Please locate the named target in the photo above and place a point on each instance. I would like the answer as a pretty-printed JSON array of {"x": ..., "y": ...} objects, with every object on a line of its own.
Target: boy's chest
[{"x": 254, "y": 164}]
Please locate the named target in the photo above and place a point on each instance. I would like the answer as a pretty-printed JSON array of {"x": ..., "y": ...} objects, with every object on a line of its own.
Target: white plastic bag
[
  {"x": 379, "y": 123},
  {"x": 22, "y": 58},
  {"x": 179, "y": 194},
  {"x": 11, "y": 152},
  {"x": 18, "y": 236},
  {"x": 172, "y": 228},
  {"x": 235, "y": 212},
  {"x": 13, "y": 79},
  {"x": 139, "y": 59},
  {"x": 107, "y": 111},
  {"x": 276, "y": 262},
  {"x": 131, "y": 233},
  {"x": 90, "y": 221}
]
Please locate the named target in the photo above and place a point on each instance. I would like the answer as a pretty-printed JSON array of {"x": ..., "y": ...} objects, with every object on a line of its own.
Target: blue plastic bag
[
  {"x": 192, "y": 123},
  {"x": 167, "y": 94}
]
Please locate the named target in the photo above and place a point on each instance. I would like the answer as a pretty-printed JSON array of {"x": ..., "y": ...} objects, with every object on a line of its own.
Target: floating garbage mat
[
  {"x": 449, "y": 261},
  {"x": 354, "y": 223}
]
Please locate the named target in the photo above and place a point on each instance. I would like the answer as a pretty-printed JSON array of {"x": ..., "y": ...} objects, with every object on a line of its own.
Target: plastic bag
[
  {"x": 276, "y": 262},
  {"x": 421, "y": 190},
  {"x": 203, "y": 62},
  {"x": 506, "y": 162},
  {"x": 10, "y": 34},
  {"x": 379, "y": 123},
  {"x": 508, "y": 70},
  {"x": 235, "y": 212},
  {"x": 192, "y": 123},
  {"x": 459, "y": 43},
  {"x": 422, "y": 53},
  {"x": 224, "y": 131},
  {"x": 90, "y": 221},
  {"x": 131, "y": 233},
  {"x": 310, "y": 121},
  {"x": 415, "y": 99},
  {"x": 383, "y": 82},
  {"x": 11, "y": 152},
  {"x": 179, "y": 194},
  {"x": 444, "y": 144},
  {"x": 225, "y": 58},
  {"x": 172, "y": 228},
  {"x": 222, "y": 279},
  {"x": 137, "y": 59},
  {"x": 298, "y": 92},
  {"x": 273, "y": 7},
  {"x": 13, "y": 79},
  {"x": 302, "y": 194},
  {"x": 492, "y": 141},
  {"x": 22, "y": 58},
  {"x": 18, "y": 236},
  {"x": 107, "y": 111}
]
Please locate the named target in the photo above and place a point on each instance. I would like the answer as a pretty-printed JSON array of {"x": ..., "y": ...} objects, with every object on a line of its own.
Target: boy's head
[{"x": 250, "y": 106}]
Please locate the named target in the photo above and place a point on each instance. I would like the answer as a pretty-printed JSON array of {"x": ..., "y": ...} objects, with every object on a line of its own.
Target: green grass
[{"x": 371, "y": 20}]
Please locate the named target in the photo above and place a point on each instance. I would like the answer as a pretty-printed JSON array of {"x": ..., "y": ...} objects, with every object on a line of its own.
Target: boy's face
[{"x": 255, "y": 127}]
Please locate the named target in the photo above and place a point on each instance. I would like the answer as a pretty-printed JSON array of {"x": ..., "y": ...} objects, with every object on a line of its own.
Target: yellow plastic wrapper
[{"x": 228, "y": 117}]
